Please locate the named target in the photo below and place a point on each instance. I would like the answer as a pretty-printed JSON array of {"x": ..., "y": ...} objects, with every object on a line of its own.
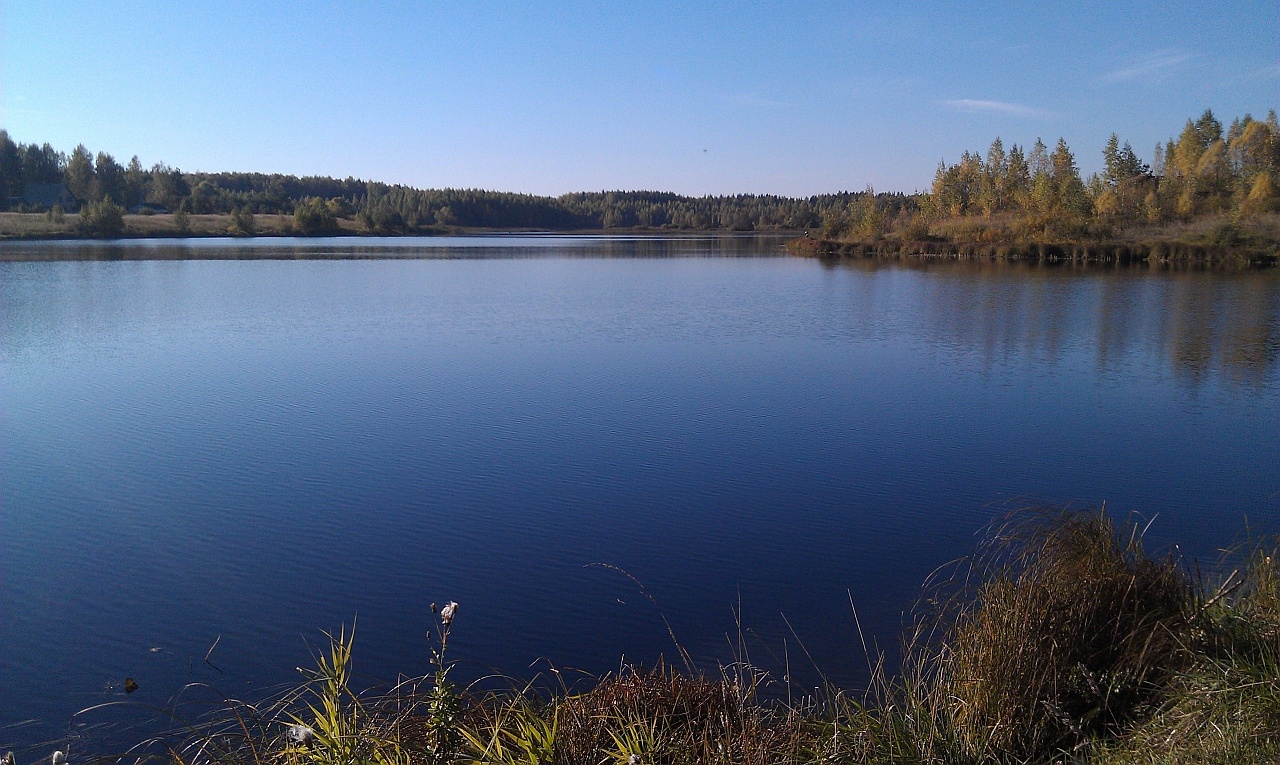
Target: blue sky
[{"x": 697, "y": 98}]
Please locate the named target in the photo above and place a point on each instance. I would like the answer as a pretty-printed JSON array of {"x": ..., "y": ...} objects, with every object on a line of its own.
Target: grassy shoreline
[
  {"x": 1222, "y": 241},
  {"x": 18, "y": 227},
  {"x": 1061, "y": 641}
]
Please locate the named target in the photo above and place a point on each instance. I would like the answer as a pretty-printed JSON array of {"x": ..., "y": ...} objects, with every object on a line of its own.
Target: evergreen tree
[
  {"x": 1018, "y": 179},
  {"x": 1208, "y": 129},
  {"x": 1068, "y": 190},
  {"x": 993, "y": 194},
  {"x": 10, "y": 170},
  {"x": 1111, "y": 159},
  {"x": 79, "y": 174},
  {"x": 1042, "y": 193}
]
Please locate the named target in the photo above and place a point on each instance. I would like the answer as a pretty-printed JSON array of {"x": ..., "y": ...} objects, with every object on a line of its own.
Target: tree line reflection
[{"x": 1198, "y": 324}]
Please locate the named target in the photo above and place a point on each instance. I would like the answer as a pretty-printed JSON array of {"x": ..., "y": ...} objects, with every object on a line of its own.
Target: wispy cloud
[
  {"x": 1149, "y": 64},
  {"x": 977, "y": 105}
]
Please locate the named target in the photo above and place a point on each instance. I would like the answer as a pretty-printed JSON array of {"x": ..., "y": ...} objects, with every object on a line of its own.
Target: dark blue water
[{"x": 250, "y": 451}]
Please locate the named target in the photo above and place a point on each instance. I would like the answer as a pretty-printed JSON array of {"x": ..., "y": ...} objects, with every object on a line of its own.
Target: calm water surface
[{"x": 254, "y": 450}]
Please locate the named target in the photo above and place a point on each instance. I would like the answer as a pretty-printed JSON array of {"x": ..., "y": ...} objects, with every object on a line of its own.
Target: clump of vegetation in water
[{"x": 1062, "y": 641}]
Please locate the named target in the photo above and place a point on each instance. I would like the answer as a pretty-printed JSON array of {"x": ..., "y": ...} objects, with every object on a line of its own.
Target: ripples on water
[{"x": 258, "y": 449}]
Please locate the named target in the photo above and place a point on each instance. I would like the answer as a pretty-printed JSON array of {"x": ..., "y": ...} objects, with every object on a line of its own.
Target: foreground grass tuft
[{"x": 1071, "y": 638}]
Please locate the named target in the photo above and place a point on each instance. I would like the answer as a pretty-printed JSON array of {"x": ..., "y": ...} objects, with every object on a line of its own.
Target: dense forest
[{"x": 37, "y": 177}]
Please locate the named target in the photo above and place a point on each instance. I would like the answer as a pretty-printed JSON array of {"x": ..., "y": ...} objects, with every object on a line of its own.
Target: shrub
[
  {"x": 1069, "y": 638},
  {"x": 312, "y": 217},
  {"x": 104, "y": 218},
  {"x": 243, "y": 222}
]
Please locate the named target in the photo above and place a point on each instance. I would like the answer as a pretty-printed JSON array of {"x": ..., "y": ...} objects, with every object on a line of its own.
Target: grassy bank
[
  {"x": 1209, "y": 241},
  {"x": 41, "y": 226},
  {"x": 158, "y": 226},
  {"x": 1062, "y": 640}
]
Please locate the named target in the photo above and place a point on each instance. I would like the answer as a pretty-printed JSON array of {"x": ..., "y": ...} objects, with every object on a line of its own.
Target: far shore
[
  {"x": 1213, "y": 241},
  {"x": 1216, "y": 242}
]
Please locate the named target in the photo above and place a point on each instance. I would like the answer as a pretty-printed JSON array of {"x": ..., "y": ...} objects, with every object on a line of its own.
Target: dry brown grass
[
  {"x": 35, "y": 226},
  {"x": 1071, "y": 636},
  {"x": 688, "y": 720},
  {"x": 39, "y": 226},
  {"x": 1225, "y": 709}
]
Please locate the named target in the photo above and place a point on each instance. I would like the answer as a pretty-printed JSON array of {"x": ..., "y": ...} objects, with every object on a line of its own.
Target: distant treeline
[
  {"x": 1009, "y": 196},
  {"x": 37, "y": 177}
]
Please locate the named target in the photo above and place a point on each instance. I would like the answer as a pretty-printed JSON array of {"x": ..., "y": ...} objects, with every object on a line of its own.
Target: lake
[{"x": 248, "y": 442}]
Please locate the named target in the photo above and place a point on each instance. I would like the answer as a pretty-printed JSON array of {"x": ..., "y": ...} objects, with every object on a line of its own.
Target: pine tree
[
  {"x": 1019, "y": 179},
  {"x": 1111, "y": 159},
  {"x": 1068, "y": 189},
  {"x": 1208, "y": 129},
  {"x": 992, "y": 196}
]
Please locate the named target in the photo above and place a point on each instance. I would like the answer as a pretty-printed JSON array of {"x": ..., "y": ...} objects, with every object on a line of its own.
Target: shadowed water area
[{"x": 248, "y": 442}]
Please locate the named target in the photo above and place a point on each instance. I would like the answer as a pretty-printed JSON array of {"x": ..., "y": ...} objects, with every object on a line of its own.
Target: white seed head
[
  {"x": 301, "y": 734},
  {"x": 633, "y": 759},
  {"x": 59, "y": 758},
  {"x": 446, "y": 613}
]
